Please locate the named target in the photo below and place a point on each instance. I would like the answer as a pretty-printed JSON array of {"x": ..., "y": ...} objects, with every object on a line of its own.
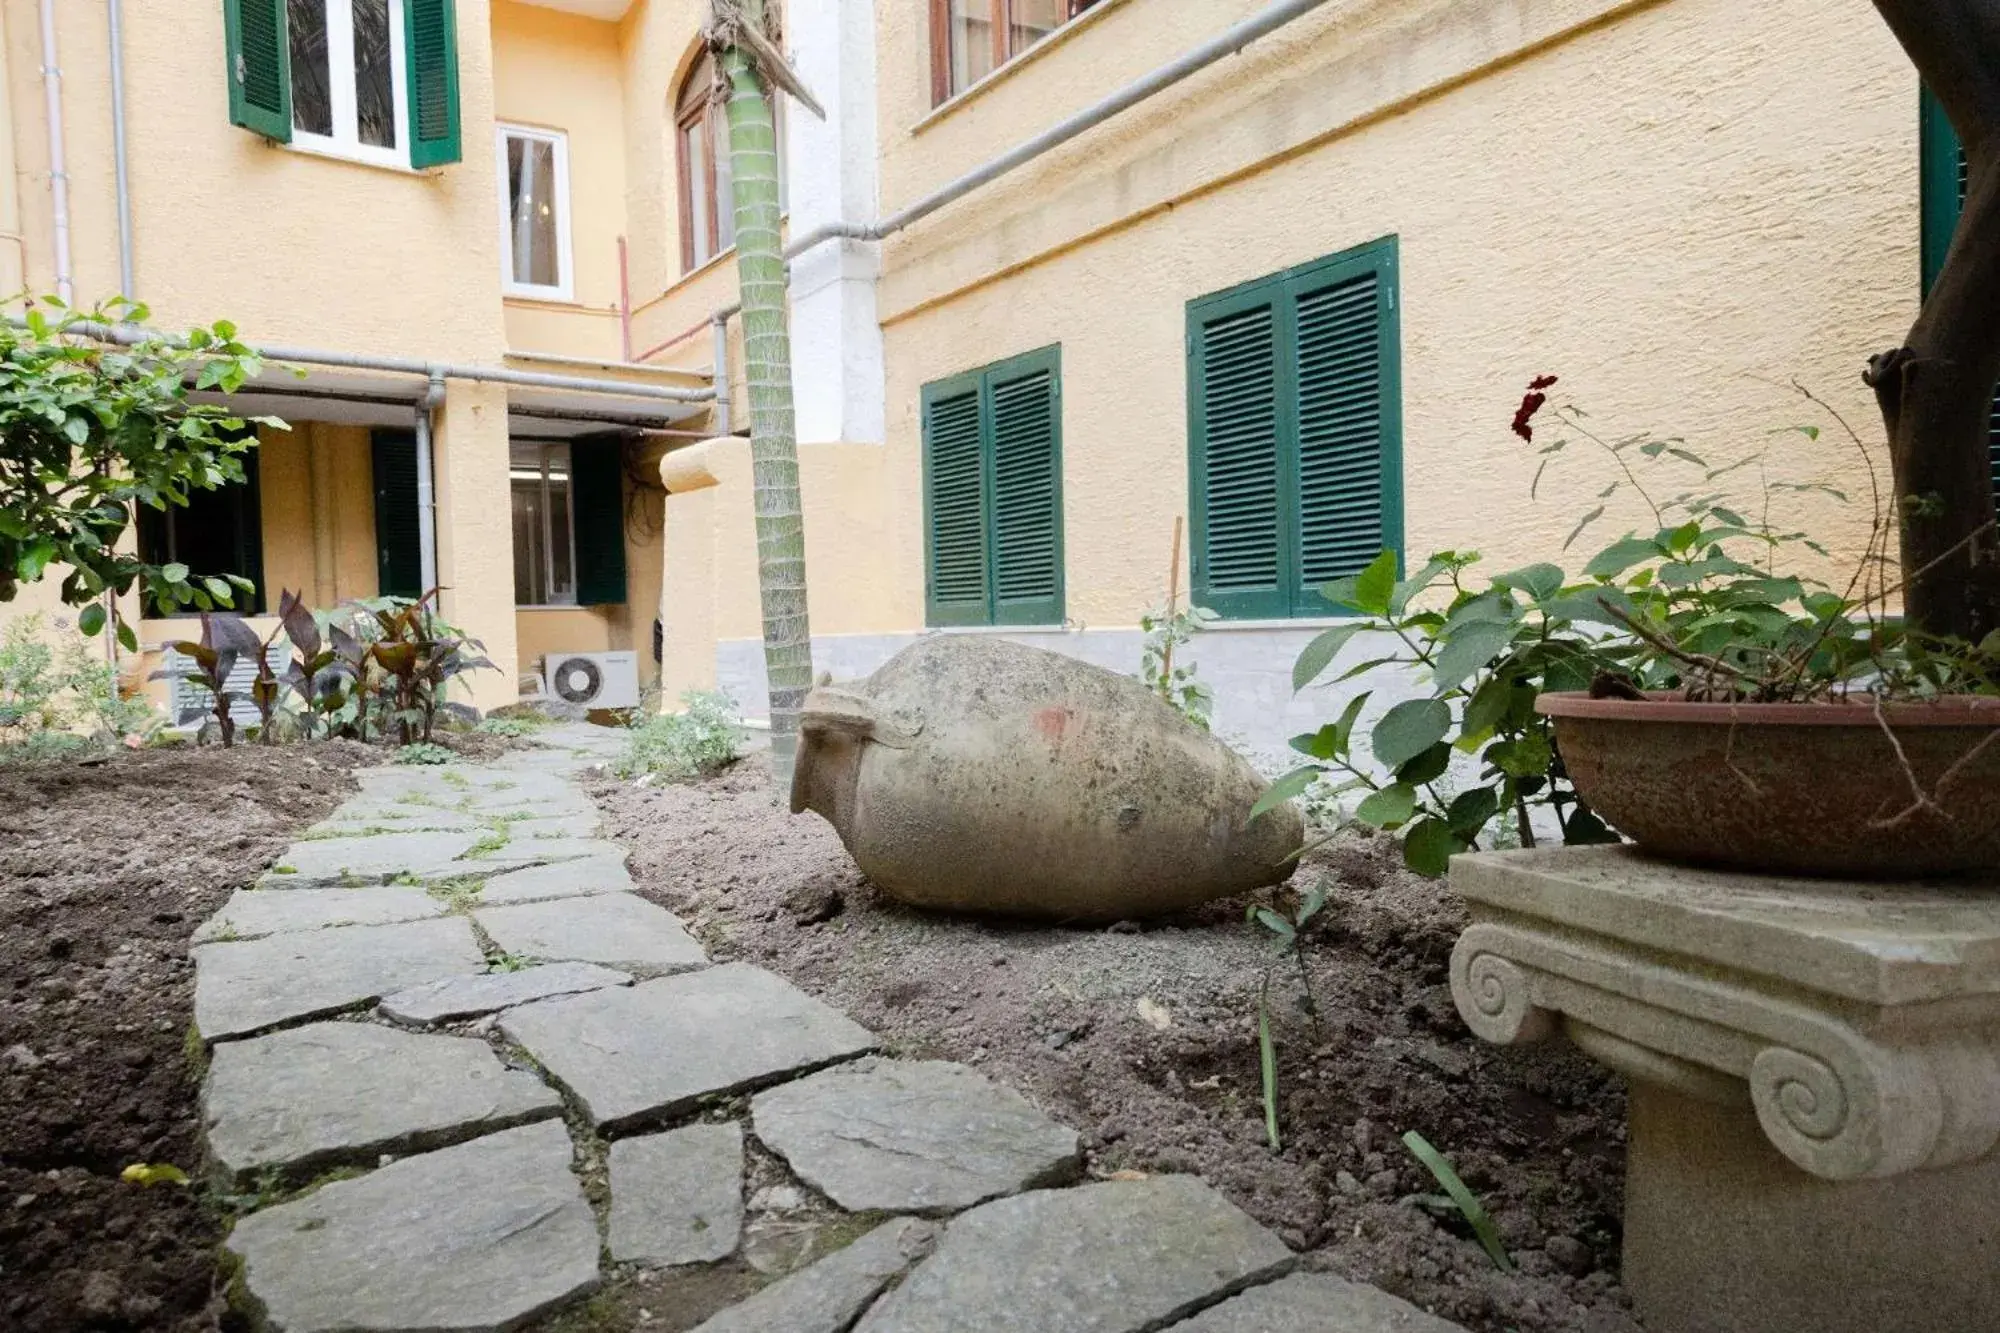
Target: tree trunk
[
  {"x": 767, "y": 348},
  {"x": 1936, "y": 391}
]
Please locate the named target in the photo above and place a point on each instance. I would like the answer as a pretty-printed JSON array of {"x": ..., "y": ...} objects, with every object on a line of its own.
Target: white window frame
[
  {"x": 345, "y": 141},
  {"x": 565, "y": 288}
]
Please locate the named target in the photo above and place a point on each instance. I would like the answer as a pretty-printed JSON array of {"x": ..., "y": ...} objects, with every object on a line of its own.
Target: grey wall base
[
  {"x": 1248, "y": 666},
  {"x": 1724, "y": 1235}
]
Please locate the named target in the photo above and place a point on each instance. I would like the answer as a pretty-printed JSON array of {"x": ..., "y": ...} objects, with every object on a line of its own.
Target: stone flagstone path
[{"x": 469, "y": 1073}]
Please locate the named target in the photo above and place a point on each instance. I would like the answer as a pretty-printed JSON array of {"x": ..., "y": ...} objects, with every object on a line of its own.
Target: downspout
[
  {"x": 58, "y": 166},
  {"x": 128, "y": 283},
  {"x": 718, "y": 378},
  {"x": 426, "y": 496},
  {"x": 624, "y": 299}
]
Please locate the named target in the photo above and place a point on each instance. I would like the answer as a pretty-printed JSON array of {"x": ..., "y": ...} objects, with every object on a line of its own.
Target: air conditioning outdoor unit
[
  {"x": 189, "y": 703},
  {"x": 593, "y": 680}
]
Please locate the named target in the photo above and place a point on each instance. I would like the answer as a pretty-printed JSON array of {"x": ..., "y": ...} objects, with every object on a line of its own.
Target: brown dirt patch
[
  {"x": 1056, "y": 1012},
  {"x": 105, "y": 870}
]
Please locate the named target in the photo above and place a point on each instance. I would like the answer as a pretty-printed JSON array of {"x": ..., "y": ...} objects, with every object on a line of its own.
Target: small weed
[
  {"x": 284, "y": 870},
  {"x": 493, "y": 840},
  {"x": 422, "y": 752},
  {"x": 509, "y": 962},
  {"x": 453, "y": 778},
  {"x": 150, "y": 1174},
  {"x": 195, "y": 1051},
  {"x": 684, "y": 745},
  {"x": 1466, "y": 1201},
  {"x": 511, "y": 727},
  {"x": 459, "y": 892}
]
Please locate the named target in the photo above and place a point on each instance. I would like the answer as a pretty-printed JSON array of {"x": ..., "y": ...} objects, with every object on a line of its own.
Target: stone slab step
[
  {"x": 469, "y": 997},
  {"x": 1315, "y": 1303},
  {"x": 246, "y": 986},
  {"x": 477, "y": 1238},
  {"x": 1113, "y": 1257},
  {"x": 560, "y": 879},
  {"x": 252, "y": 913},
  {"x": 825, "y": 1297},
  {"x": 619, "y": 930},
  {"x": 335, "y": 1093},
  {"x": 658, "y": 1048},
  {"x": 677, "y": 1198},
  {"x": 910, "y": 1136}
]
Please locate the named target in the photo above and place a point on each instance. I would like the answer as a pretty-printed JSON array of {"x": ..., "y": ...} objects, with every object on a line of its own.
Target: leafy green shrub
[
  {"x": 422, "y": 752},
  {"x": 512, "y": 727},
  {"x": 55, "y": 695},
  {"x": 1166, "y": 632},
  {"x": 680, "y": 746},
  {"x": 88, "y": 431}
]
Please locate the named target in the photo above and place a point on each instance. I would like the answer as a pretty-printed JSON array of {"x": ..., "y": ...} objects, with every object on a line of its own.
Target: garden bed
[
  {"x": 1145, "y": 1040},
  {"x": 105, "y": 870}
]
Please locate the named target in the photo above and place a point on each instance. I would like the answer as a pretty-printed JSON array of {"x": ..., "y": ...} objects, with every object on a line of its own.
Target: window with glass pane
[
  {"x": 706, "y": 175},
  {"x": 348, "y": 91},
  {"x": 544, "y": 536},
  {"x": 534, "y": 167},
  {"x": 972, "y": 38}
]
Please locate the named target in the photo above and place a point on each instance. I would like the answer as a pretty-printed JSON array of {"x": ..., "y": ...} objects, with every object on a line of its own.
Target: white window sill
[
  {"x": 538, "y": 295},
  {"x": 379, "y": 159},
  {"x": 554, "y": 606}
]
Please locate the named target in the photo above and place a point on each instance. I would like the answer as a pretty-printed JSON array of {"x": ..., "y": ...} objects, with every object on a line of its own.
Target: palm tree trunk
[{"x": 767, "y": 348}]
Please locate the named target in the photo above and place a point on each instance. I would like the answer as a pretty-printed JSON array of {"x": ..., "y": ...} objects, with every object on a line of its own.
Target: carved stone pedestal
[{"x": 1816, "y": 1079}]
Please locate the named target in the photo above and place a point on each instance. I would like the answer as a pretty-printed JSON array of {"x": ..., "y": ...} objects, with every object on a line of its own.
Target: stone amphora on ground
[{"x": 976, "y": 774}]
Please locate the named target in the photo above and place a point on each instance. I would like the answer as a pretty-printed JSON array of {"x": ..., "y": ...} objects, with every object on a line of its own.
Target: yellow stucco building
[{"x": 1290, "y": 294}]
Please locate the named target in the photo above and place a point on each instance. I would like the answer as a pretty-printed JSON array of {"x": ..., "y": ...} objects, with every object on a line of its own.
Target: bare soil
[
  {"x": 105, "y": 870},
  {"x": 1144, "y": 1038}
]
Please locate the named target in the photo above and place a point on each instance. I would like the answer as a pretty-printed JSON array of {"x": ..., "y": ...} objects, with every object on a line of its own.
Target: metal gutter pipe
[
  {"x": 128, "y": 335},
  {"x": 128, "y": 282},
  {"x": 1227, "y": 43},
  {"x": 426, "y": 495},
  {"x": 718, "y": 378},
  {"x": 58, "y": 165}
]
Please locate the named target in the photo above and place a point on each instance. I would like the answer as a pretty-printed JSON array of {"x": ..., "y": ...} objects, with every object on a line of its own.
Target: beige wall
[
  {"x": 1677, "y": 206},
  {"x": 316, "y": 491},
  {"x": 556, "y": 71}
]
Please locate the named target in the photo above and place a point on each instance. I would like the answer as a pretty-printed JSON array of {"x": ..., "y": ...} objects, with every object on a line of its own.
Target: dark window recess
[
  {"x": 993, "y": 494},
  {"x": 597, "y": 469},
  {"x": 1944, "y": 180},
  {"x": 399, "y": 567},
  {"x": 218, "y": 532},
  {"x": 1294, "y": 433}
]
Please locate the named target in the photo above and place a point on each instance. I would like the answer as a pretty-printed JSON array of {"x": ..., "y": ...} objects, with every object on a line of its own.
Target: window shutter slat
[
  {"x": 1234, "y": 436},
  {"x": 1946, "y": 177},
  {"x": 399, "y": 563},
  {"x": 259, "y": 67},
  {"x": 955, "y": 499},
  {"x": 1340, "y": 432},
  {"x": 1027, "y": 550},
  {"x": 597, "y": 488},
  {"x": 432, "y": 30}
]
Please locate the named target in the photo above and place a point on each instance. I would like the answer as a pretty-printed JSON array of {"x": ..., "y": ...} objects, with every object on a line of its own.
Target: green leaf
[
  {"x": 1267, "y": 1065},
  {"x": 1344, "y": 725},
  {"x": 1470, "y": 810},
  {"x": 1538, "y": 581},
  {"x": 1429, "y": 846},
  {"x": 1426, "y": 767},
  {"x": 91, "y": 620},
  {"x": 127, "y": 639},
  {"x": 76, "y": 428},
  {"x": 1274, "y": 923},
  {"x": 1408, "y": 729},
  {"x": 1468, "y": 1203},
  {"x": 1389, "y": 808},
  {"x": 220, "y": 590},
  {"x": 1415, "y": 584},
  {"x": 1285, "y": 788},
  {"x": 174, "y": 572},
  {"x": 34, "y": 558},
  {"x": 1620, "y": 556},
  {"x": 1319, "y": 654},
  {"x": 1375, "y": 585},
  {"x": 150, "y": 1174},
  {"x": 1471, "y": 648}
]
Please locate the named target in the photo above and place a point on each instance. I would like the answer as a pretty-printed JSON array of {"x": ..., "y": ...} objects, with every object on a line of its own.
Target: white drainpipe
[
  {"x": 426, "y": 496},
  {"x": 58, "y": 166},
  {"x": 128, "y": 282}
]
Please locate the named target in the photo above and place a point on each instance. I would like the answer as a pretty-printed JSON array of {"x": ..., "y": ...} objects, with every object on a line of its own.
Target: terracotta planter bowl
[{"x": 1813, "y": 789}]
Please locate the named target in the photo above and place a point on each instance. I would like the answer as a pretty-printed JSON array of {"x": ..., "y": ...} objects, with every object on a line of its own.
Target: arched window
[{"x": 708, "y": 206}]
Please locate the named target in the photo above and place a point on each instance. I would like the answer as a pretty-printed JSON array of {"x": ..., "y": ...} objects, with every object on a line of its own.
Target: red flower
[{"x": 1531, "y": 403}]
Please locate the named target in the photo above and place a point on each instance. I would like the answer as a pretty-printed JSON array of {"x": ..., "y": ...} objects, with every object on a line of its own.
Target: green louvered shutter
[
  {"x": 432, "y": 26},
  {"x": 399, "y": 558},
  {"x": 597, "y": 487},
  {"x": 1347, "y": 422},
  {"x": 1946, "y": 177},
  {"x": 956, "y": 588},
  {"x": 260, "y": 67},
  {"x": 1238, "y": 517},
  {"x": 1026, "y": 458}
]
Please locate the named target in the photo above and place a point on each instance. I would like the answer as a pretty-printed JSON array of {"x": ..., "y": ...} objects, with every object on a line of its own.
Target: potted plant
[{"x": 1686, "y": 691}]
